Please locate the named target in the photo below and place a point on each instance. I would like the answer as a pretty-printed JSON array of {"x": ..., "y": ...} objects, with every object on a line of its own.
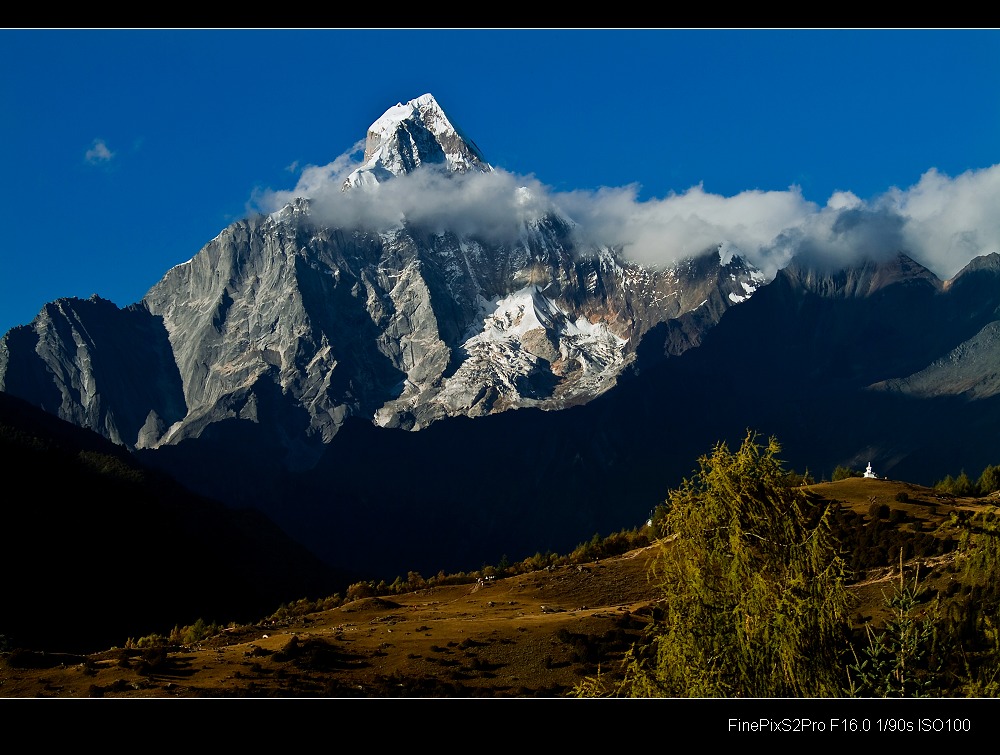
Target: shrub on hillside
[
  {"x": 843, "y": 473},
  {"x": 878, "y": 510},
  {"x": 360, "y": 590}
]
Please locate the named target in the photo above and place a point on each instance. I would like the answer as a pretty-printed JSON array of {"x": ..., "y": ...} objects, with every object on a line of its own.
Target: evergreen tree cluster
[{"x": 988, "y": 482}]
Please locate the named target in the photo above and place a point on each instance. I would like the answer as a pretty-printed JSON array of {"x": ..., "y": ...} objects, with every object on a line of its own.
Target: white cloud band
[{"x": 941, "y": 222}]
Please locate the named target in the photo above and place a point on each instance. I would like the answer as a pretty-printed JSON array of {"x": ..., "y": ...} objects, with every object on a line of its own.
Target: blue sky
[{"x": 126, "y": 151}]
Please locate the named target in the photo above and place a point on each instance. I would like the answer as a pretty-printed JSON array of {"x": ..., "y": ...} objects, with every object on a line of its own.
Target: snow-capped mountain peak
[{"x": 413, "y": 134}]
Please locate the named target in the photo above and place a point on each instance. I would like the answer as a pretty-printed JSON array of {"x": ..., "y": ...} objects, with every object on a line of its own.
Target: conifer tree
[
  {"x": 989, "y": 480},
  {"x": 754, "y": 600}
]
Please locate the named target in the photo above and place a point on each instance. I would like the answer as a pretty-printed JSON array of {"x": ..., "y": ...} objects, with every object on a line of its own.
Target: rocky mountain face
[
  {"x": 289, "y": 322},
  {"x": 809, "y": 358},
  {"x": 103, "y": 368}
]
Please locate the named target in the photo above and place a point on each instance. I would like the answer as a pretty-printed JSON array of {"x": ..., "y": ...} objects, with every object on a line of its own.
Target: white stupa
[{"x": 868, "y": 471}]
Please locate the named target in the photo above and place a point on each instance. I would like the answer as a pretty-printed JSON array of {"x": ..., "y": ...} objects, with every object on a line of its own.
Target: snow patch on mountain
[
  {"x": 757, "y": 279},
  {"x": 529, "y": 335}
]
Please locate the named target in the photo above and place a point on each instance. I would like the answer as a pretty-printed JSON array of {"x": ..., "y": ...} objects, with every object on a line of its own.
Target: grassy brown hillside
[{"x": 534, "y": 634}]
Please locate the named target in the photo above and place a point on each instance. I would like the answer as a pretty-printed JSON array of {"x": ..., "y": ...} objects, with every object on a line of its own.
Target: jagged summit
[
  {"x": 989, "y": 262},
  {"x": 859, "y": 278},
  {"x": 408, "y": 136}
]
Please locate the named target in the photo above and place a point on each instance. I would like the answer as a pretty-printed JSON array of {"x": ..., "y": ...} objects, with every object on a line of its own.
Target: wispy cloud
[
  {"x": 950, "y": 220},
  {"x": 664, "y": 231},
  {"x": 99, "y": 153},
  {"x": 942, "y": 222}
]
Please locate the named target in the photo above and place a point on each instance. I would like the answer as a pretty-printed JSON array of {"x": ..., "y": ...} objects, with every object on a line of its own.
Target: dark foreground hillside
[
  {"x": 534, "y": 634},
  {"x": 96, "y": 548}
]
